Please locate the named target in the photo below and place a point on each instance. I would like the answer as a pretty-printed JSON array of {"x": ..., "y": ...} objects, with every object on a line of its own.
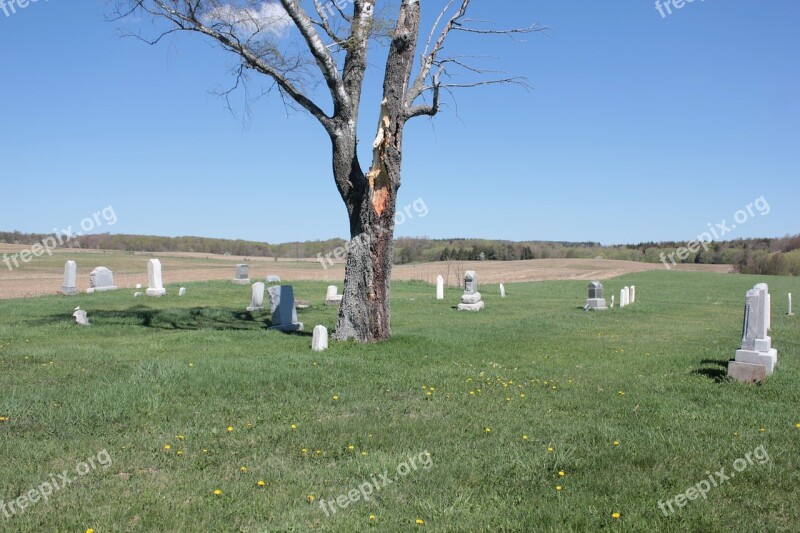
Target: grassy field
[{"x": 183, "y": 405}]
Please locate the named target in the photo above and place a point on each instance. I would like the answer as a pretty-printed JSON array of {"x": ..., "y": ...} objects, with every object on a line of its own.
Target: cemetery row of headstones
[{"x": 596, "y": 299}]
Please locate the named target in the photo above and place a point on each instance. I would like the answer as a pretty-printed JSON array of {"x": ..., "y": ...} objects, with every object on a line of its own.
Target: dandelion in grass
[
  {"x": 363, "y": 454},
  {"x": 205, "y": 450},
  {"x": 372, "y": 518},
  {"x": 550, "y": 450},
  {"x": 562, "y": 474},
  {"x": 472, "y": 393},
  {"x": 351, "y": 447},
  {"x": 621, "y": 393},
  {"x": 179, "y": 437},
  {"x": 524, "y": 437},
  {"x": 243, "y": 470},
  {"x": 558, "y": 488},
  {"x": 335, "y": 397},
  {"x": 167, "y": 447},
  {"x": 488, "y": 430},
  {"x": 521, "y": 395},
  {"x": 797, "y": 426},
  {"x": 294, "y": 426},
  {"x": 303, "y": 451},
  {"x": 180, "y": 452},
  {"x": 90, "y": 530},
  {"x": 5, "y": 419},
  {"x": 230, "y": 429},
  {"x": 319, "y": 452},
  {"x": 260, "y": 483},
  {"x": 616, "y": 443},
  {"x": 615, "y": 515},
  {"x": 762, "y": 430},
  {"x": 310, "y": 498},
  {"x": 217, "y": 492},
  {"x": 420, "y": 521}
]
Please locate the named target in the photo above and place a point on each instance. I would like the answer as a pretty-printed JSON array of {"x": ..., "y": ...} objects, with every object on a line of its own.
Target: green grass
[{"x": 150, "y": 370}]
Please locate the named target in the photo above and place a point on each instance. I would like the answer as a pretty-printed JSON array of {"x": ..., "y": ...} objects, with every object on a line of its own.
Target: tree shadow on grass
[
  {"x": 718, "y": 373},
  {"x": 182, "y": 318}
]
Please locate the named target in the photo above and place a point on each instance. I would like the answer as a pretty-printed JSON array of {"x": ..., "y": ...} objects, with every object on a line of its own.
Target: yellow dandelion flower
[
  {"x": 205, "y": 450},
  {"x": 179, "y": 437},
  {"x": 180, "y": 452},
  {"x": 508, "y": 399},
  {"x": 616, "y": 443},
  {"x": 429, "y": 393},
  {"x": 217, "y": 492},
  {"x": 303, "y": 451},
  {"x": 335, "y": 397},
  {"x": 191, "y": 365},
  {"x": 524, "y": 437},
  {"x": 372, "y": 517},
  {"x": 310, "y": 498},
  {"x": 420, "y": 521},
  {"x": 797, "y": 425},
  {"x": 762, "y": 430},
  {"x": 351, "y": 447},
  {"x": 472, "y": 393},
  {"x": 90, "y": 530},
  {"x": 621, "y": 393},
  {"x": 614, "y": 515},
  {"x": 488, "y": 430},
  {"x": 558, "y": 488},
  {"x": 554, "y": 387},
  {"x": 363, "y": 454},
  {"x": 550, "y": 450},
  {"x": 167, "y": 447},
  {"x": 521, "y": 395},
  {"x": 230, "y": 428},
  {"x": 294, "y": 426},
  {"x": 4, "y": 419},
  {"x": 562, "y": 474},
  {"x": 243, "y": 470},
  {"x": 735, "y": 433},
  {"x": 260, "y": 483},
  {"x": 432, "y": 389},
  {"x": 319, "y": 452}
]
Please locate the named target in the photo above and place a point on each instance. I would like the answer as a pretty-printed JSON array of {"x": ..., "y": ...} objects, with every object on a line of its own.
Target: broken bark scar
[{"x": 378, "y": 176}]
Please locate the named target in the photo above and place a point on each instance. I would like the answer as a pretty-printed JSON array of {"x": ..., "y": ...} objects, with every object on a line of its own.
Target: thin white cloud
[{"x": 267, "y": 18}]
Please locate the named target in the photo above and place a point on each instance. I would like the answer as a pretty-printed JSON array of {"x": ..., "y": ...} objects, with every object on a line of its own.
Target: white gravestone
[
  {"x": 612, "y": 301},
  {"x": 257, "y": 300},
  {"x": 502, "y": 291},
  {"x": 68, "y": 286},
  {"x": 182, "y": 291},
  {"x": 756, "y": 343},
  {"x": 439, "y": 287},
  {"x": 319, "y": 342},
  {"x": 471, "y": 299},
  {"x": 80, "y": 317},
  {"x": 155, "y": 285},
  {"x": 622, "y": 293},
  {"x": 632, "y": 294},
  {"x": 101, "y": 279},
  {"x": 273, "y": 279},
  {"x": 281, "y": 306},
  {"x": 332, "y": 297},
  {"x": 790, "y": 313}
]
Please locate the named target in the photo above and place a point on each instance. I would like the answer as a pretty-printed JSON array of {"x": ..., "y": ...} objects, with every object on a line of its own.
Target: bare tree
[{"x": 258, "y": 33}]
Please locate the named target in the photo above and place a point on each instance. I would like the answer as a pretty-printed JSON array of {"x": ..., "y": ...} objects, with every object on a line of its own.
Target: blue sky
[{"x": 639, "y": 127}]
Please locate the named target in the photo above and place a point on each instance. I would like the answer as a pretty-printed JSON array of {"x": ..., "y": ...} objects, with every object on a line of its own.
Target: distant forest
[{"x": 778, "y": 256}]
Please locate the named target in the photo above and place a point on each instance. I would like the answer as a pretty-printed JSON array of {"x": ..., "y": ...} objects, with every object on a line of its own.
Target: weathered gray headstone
[
  {"x": 596, "y": 299},
  {"x": 756, "y": 346},
  {"x": 68, "y": 286},
  {"x": 101, "y": 279},
  {"x": 257, "y": 300},
  {"x": 242, "y": 274},
  {"x": 439, "y": 287},
  {"x": 273, "y": 279},
  {"x": 471, "y": 299},
  {"x": 155, "y": 284},
  {"x": 282, "y": 309},
  {"x": 319, "y": 342}
]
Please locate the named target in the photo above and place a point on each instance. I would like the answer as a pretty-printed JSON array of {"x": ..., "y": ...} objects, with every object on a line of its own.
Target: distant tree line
[{"x": 777, "y": 256}]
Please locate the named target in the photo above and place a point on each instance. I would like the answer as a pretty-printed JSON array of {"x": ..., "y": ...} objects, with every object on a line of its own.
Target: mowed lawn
[{"x": 471, "y": 416}]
